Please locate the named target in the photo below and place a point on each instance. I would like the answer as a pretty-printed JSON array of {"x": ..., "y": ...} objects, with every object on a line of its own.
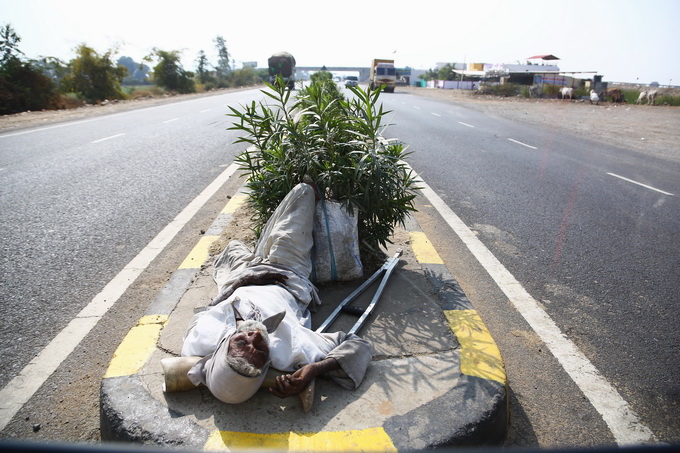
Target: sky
[{"x": 632, "y": 41}]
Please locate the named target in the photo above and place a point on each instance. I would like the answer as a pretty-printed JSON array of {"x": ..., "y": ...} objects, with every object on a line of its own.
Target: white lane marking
[
  {"x": 435, "y": 114},
  {"x": 20, "y": 389},
  {"x": 203, "y": 111},
  {"x": 624, "y": 424},
  {"x": 640, "y": 184},
  {"x": 108, "y": 138},
  {"x": 416, "y": 107},
  {"x": 170, "y": 120},
  {"x": 465, "y": 124},
  {"x": 523, "y": 144}
]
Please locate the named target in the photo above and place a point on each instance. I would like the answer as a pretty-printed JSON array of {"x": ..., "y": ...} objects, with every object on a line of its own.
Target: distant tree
[
  {"x": 202, "y": 67},
  {"x": 223, "y": 67},
  {"x": 137, "y": 73},
  {"x": 445, "y": 72},
  {"x": 429, "y": 75},
  {"x": 22, "y": 85},
  {"x": 9, "y": 44},
  {"x": 95, "y": 77},
  {"x": 322, "y": 76},
  {"x": 245, "y": 76},
  {"x": 53, "y": 68},
  {"x": 169, "y": 73}
]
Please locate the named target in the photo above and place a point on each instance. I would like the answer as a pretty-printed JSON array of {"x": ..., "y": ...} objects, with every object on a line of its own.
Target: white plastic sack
[{"x": 335, "y": 256}]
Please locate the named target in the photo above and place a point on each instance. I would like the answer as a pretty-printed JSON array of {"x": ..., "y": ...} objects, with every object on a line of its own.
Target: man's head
[
  {"x": 248, "y": 350},
  {"x": 237, "y": 368}
]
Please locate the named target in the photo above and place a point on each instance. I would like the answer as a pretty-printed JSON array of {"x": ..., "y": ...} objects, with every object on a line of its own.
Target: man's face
[{"x": 250, "y": 345}]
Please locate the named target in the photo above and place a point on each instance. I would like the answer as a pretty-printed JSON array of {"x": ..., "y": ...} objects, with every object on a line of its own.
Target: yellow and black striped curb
[{"x": 472, "y": 413}]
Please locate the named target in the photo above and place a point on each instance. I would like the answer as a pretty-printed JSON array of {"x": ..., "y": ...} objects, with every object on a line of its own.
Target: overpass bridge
[{"x": 363, "y": 72}]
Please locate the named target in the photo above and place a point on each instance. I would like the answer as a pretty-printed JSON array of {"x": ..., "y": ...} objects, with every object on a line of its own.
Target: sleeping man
[{"x": 261, "y": 315}]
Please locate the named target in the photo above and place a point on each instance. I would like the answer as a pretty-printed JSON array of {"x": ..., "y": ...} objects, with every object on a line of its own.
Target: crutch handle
[{"x": 353, "y": 310}]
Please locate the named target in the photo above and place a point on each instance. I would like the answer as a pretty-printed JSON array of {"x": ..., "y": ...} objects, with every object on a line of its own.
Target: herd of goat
[{"x": 614, "y": 95}]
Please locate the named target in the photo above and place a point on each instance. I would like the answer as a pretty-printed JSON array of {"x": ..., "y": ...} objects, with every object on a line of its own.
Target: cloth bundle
[{"x": 335, "y": 256}]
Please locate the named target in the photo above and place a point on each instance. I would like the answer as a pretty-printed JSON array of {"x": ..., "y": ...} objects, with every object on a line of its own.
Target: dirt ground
[{"x": 645, "y": 128}]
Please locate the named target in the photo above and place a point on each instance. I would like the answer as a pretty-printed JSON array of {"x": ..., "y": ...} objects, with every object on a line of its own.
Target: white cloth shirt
[{"x": 292, "y": 345}]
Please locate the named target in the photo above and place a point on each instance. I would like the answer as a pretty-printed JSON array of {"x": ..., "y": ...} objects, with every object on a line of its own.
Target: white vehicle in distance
[{"x": 351, "y": 81}]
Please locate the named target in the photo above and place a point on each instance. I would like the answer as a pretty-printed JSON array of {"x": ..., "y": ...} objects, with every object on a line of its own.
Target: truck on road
[
  {"x": 282, "y": 63},
  {"x": 383, "y": 72}
]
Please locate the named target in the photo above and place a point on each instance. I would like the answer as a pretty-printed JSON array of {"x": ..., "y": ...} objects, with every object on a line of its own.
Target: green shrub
[
  {"x": 582, "y": 91},
  {"x": 69, "y": 101},
  {"x": 551, "y": 90},
  {"x": 335, "y": 141},
  {"x": 504, "y": 89},
  {"x": 630, "y": 96},
  {"x": 94, "y": 77},
  {"x": 667, "y": 99}
]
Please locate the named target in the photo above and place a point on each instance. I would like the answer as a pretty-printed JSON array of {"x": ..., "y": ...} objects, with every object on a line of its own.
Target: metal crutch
[
  {"x": 307, "y": 395},
  {"x": 387, "y": 268}
]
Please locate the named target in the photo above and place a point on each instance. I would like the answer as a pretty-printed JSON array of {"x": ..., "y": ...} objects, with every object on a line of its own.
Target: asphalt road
[
  {"x": 79, "y": 201},
  {"x": 599, "y": 253}
]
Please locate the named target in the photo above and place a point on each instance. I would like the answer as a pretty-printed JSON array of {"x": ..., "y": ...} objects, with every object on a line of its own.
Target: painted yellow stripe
[
  {"x": 199, "y": 255},
  {"x": 423, "y": 248},
  {"x": 136, "y": 347},
  {"x": 373, "y": 439},
  {"x": 234, "y": 203},
  {"x": 479, "y": 355}
]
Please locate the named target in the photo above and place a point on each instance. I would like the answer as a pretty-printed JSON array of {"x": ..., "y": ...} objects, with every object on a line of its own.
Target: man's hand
[
  {"x": 292, "y": 384},
  {"x": 261, "y": 277}
]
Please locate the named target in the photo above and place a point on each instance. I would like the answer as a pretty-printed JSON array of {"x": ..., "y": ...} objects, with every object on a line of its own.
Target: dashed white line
[
  {"x": 203, "y": 111},
  {"x": 108, "y": 138},
  {"x": 170, "y": 120},
  {"x": 435, "y": 114},
  {"x": 640, "y": 184},
  {"x": 523, "y": 144},
  {"x": 625, "y": 425},
  {"x": 465, "y": 124},
  {"x": 416, "y": 107}
]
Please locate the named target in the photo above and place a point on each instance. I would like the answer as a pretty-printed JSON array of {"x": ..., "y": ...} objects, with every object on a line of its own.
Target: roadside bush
[
  {"x": 505, "y": 89},
  {"x": 168, "y": 72},
  {"x": 579, "y": 92},
  {"x": 668, "y": 99},
  {"x": 68, "y": 101},
  {"x": 22, "y": 88},
  {"x": 551, "y": 91},
  {"x": 22, "y": 85},
  {"x": 144, "y": 91},
  {"x": 94, "y": 77},
  {"x": 335, "y": 141}
]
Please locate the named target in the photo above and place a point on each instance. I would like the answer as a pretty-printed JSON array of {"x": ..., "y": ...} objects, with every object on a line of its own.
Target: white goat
[
  {"x": 594, "y": 98},
  {"x": 651, "y": 96},
  {"x": 643, "y": 95},
  {"x": 566, "y": 91}
]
